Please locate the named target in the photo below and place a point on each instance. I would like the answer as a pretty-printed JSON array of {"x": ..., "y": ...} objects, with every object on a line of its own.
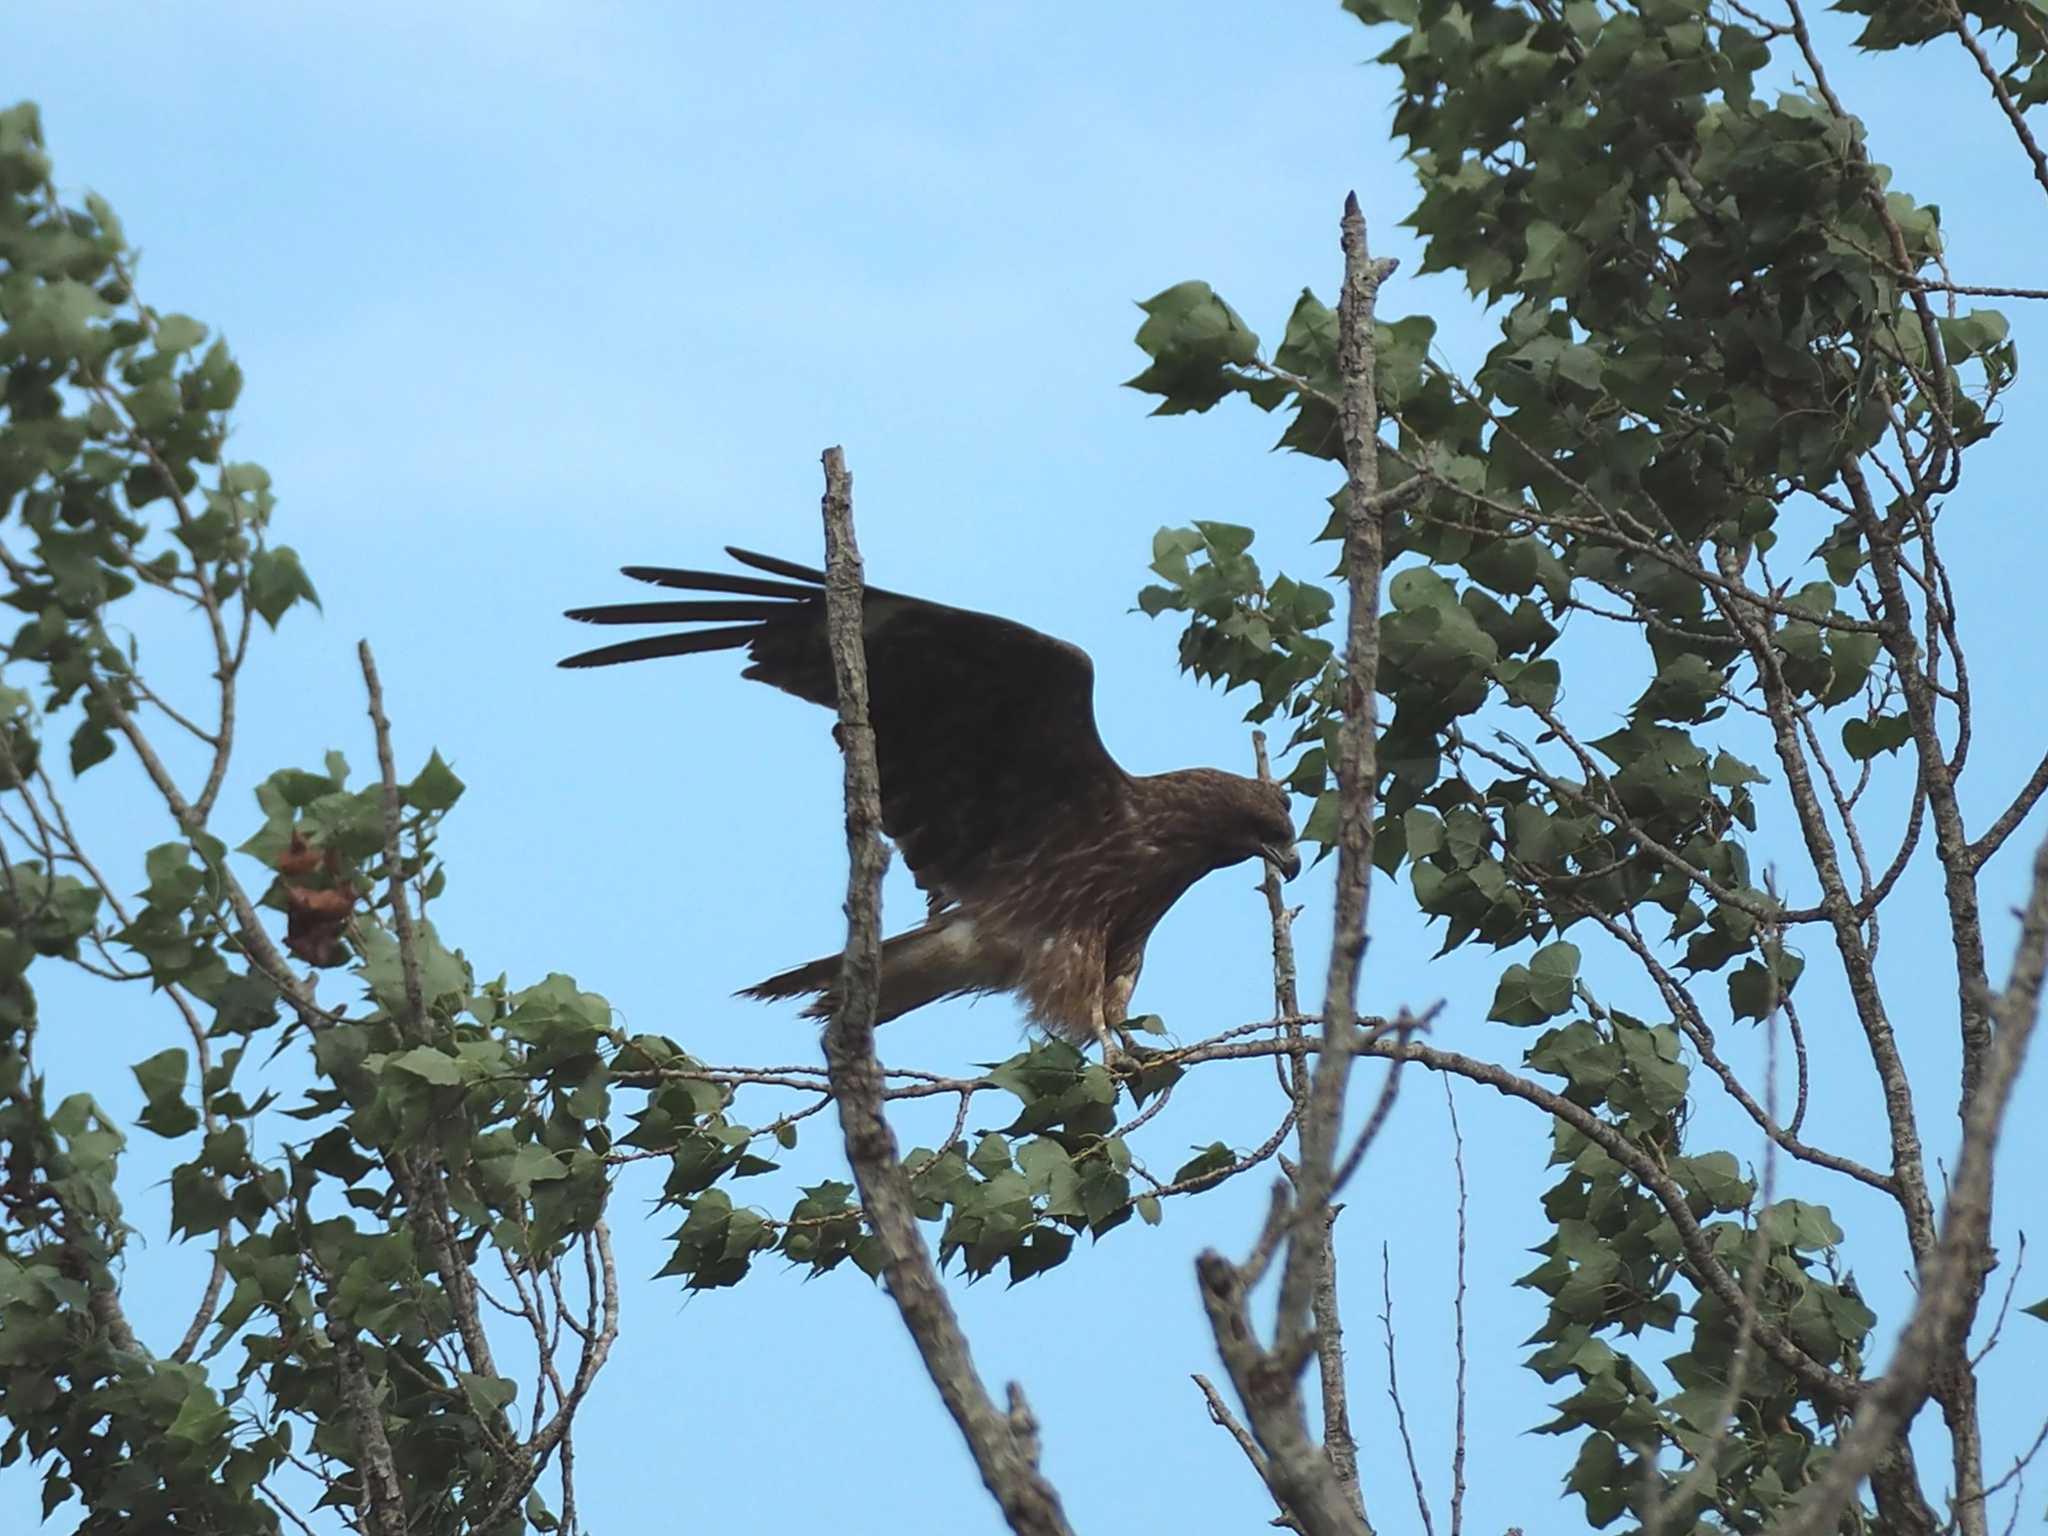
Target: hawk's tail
[{"x": 921, "y": 966}]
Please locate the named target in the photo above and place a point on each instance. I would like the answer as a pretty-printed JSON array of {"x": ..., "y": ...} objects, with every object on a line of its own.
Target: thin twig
[
  {"x": 1286, "y": 997},
  {"x": 1394, "y": 1392},
  {"x": 2012, "y": 1280},
  {"x": 1458, "y": 1323},
  {"x": 1221, "y": 1416},
  {"x": 1390, "y": 1087}
]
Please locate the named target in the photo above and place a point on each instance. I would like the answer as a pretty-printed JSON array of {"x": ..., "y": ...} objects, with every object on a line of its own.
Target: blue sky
[{"x": 525, "y": 293}]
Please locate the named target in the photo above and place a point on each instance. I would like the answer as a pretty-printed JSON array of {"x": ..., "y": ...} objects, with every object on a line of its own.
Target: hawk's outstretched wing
[{"x": 984, "y": 729}]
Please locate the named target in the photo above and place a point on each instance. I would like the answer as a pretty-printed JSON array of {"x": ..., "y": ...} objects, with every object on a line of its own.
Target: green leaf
[
  {"x": 1225, "y": 539},
  {"x": 1194, "y": 340},
  {"x": 1213, "y": 1158},
  {"x": 1866, "y": 739},
  {"x": 529, "y": 1166},
  {"x": 90, "y": 746},
  {"x": 1540, "y": 990},
  {"x": 1977, "y": 331},
  {"x": 55, "y": 319},
  {"x": 1532, "y": 683},
  {"x": 162, "y": 1076},
  {"x": 1043, "y": 1248},
  {"x": 276, "y": 581},
  {"x": 1715, "y": 1178},
  {"x": 1731, "y": 772},
  {"x": 1321, "y": 826},
  {"x": 1309, "y": 348},
  {"x": 2038, "y": 1309},
  {"x": 1752, "y": 991},
  {"x": 1796, "y": 1224},
  {"x": 423, "y": 1061},
  {"x": 173, "y": 881},
  {"x": 442, "y": 973},
  {"x": 162, "y": 1079},
  {"x": 492, "y": 1392},
  {"x": 991, "y": 1156},
  {"x": 1557, "y": 962},
  {"x": 178, "y": 333},
  {"x": 200, "y": 1419},
  {"x": 435, "y": 789}
]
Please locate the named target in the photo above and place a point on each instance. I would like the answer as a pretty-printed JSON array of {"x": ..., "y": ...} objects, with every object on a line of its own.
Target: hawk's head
[
  {"x": 1271, "y": 822},
  {"x": 1243, "y": 819}
]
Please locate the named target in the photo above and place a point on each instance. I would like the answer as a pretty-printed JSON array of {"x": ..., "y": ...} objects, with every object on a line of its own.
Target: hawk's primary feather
[{"x": 1047, "y": 865}]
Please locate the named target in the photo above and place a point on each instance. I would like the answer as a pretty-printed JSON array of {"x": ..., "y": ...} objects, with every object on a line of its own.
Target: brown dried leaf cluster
[{"x": 319, "y": 900}]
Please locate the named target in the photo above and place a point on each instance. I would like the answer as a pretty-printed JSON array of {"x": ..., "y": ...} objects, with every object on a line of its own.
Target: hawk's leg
[
  {"x": 1106, "y": 1038},
  {"x": 1116, "y": 1006}
]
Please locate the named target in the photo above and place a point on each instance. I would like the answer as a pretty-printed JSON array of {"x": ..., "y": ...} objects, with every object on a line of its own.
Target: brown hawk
[{"x": 1046, "y": 865}]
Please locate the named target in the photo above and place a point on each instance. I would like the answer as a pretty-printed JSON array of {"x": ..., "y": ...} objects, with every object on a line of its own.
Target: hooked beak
[{"x": 1283, "y": 857}]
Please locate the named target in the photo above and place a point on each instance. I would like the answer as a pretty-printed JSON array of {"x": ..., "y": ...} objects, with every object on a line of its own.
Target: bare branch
[
  {"x": 1951, "y": 845},
  {"x": 1197, "y": 1182},
  {"x": 2010, "y": 818},
  {"x": 381, "y": 1498},
  {"x": 1338, "y": 1442},
  {"x": 2015, "y": 115},
  {"x": 1004, "y": 1449},
  {"x": 1908, "y": 1171},
  {"x": 1686, "y": 1013},
  {"x": 1305, "y": 1481},
  {"x": 203, "y": 1314},
  {"x": 1300, "y": 1477},
  {"x": 1950, "y": 1276}
]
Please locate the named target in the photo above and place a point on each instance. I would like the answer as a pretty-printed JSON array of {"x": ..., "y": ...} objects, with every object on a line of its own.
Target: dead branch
[
  {"x": 1303, "y": 1478},
  {"x": 1004, "y": 1449}
]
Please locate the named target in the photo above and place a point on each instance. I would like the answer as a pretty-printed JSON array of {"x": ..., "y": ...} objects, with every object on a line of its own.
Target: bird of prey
[{"x": 1045, "y": 865}]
